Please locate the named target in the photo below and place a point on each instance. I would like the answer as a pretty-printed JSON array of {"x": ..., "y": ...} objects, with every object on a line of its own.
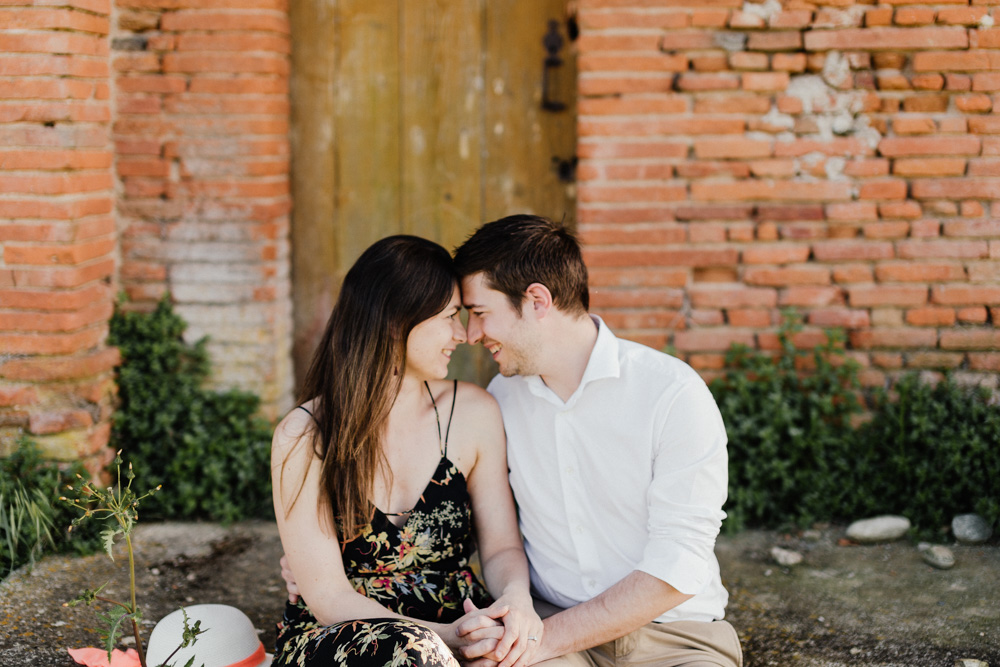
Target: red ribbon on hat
[{"x": 252, "y": 660}]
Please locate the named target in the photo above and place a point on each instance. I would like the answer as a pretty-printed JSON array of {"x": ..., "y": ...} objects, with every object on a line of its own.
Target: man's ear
[{"x": 538, "y": 299}]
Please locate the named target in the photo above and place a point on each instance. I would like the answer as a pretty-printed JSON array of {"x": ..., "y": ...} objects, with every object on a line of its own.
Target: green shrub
[
  {"x": 930, "y": 453},
  {"x": 208, "y": 449},
  {"x": 789, "y": 431},
  {"x": 33, "y": 520}
]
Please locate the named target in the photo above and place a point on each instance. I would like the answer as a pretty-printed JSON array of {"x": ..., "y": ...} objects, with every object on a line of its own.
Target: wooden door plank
[
  {"x": 313, "y": 135},
  {"x": 521, "y": 138},
  {"x": 368, "y": 122}
]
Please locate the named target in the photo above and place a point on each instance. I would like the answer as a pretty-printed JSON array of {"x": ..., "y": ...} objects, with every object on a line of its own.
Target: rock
[
  {"x": 812, "y": 535},
  {"x": 785, "y": 557},
  {"x": 971, "y": 529},
  {"x": 937, "y": 555},
  {"x": 878, "y": 529},
  {"x": 970, "y": 662}
]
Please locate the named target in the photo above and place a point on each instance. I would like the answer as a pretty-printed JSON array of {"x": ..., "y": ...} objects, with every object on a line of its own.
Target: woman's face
[{"x": 430, "y": 343}]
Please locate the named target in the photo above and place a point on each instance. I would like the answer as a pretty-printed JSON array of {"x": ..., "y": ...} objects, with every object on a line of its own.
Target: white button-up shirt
[{"x": 628, "y": 474}]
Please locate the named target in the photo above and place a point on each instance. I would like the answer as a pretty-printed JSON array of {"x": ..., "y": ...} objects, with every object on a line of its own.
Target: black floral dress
[{"x": 420, "y": 569}]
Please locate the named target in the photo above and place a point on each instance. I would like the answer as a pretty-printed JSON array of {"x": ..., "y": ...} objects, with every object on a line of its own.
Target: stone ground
[{"x": 844, "y": 605}]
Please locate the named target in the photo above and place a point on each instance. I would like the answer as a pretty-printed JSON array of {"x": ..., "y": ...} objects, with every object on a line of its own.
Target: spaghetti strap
[
  {"x": 306, "y": 410},
  {"x": 447, "y": 430}
]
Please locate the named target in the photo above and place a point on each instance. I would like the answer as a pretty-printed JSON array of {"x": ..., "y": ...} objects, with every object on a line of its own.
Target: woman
[{"x": 379, "y": 553}]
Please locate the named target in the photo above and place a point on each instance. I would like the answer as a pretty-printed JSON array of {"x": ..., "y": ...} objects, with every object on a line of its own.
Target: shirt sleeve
[{"x": 687, "y": 491}]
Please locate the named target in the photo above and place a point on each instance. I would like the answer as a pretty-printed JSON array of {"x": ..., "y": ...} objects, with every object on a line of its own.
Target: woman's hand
[
  {"x": 474, "y": 635},
  {"x": 522, "y": 629}
]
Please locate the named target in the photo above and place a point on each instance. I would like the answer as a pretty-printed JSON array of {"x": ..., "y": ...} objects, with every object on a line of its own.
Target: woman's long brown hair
[{"x": 356, "y": 371}]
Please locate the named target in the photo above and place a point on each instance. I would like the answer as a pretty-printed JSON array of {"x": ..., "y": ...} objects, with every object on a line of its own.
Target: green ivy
[
  {"x": 789, "y": 444},
  {"x": 929, "y": 452},
  {"x": 932, "y": 451},
  {"x": 208, "y": 449},
  {"x": 33, "y": 520}
]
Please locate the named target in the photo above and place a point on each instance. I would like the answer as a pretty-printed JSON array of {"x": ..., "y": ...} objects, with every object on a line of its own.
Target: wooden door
[{"x": 422, "y": 117}]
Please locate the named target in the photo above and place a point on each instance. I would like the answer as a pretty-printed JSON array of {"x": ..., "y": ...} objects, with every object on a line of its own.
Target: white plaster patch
[
  {"x": 763, "y": 10},
  {"x": 836, "y": 69},
  {"x": 775, "y": 118},
  {"x": 834, "y": 168},
  {"x": 987, "y": 21}
]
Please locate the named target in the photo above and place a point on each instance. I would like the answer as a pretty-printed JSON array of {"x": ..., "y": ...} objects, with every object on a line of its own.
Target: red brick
[
  {"x": 623, "y": 214},
  {"x": 765, "y": 81},
  {"x": 861, "y": 168},
  {"x": 711, "y": 149},
  {"x": 750, "y": 317},
  {"x": 13, "y": 395},
  {"x": 927, "y": 228},
  {"x": 636, "y": 298},
  {"x": 867, "y": 296},
  {"x": 852, "y": 273},
  {"x": 929, "y": 167},
  {"x": 775, "y": 41},
  {"x": 632, "y": 193},
  {"x": 878, "y": 16},
  {"x": 930, "y": 317},
  {"x": 775, "y": 254},
  {"x": 984, "y": 361},
  {"x": 875, "y": 39},
  {"x": 943, "y": 249},
  {"x": 710, "y": 62},
  {"x": 778, "y": 277},
  {"x": 656, "y": 234},
  {"x": 898, "y": 338},
  {"x": 632, "y": 105},
  {"x": 803, "y": 340},
  {"x": 956, "y": 188},
  {"x": 852, "y": 211},
  {"x": 701, "y": 362},
  {"x": 989, "y": 228},
  {"x": 954, "y": 81},
  {"x": 930, "y": 359},
  {"x": 707, "y": 82},
  {"x": 713, "y": 212},
  {"x": 909, "y": 146},
  {"x": 886, "y": 230},
  {"x": 644, "y": 257},
  {"x": 968, "y": 16},
  {"x": 60, "y": 368},
  {"x": 696, "y": 169},
  {"x": 984, "y": 167},
  {"x": 971, "y": 339},
  {"x": 908, "y": 125},
  {"x": 778, "y": 190},
  {"x": 914, "y": 16},
  {"x": 842, "y": 318},
  {"x": 638, "y": 277},
  {"x": 809, "y": 296},
  {"x": 788, "y": 62},
  {"x": 707, "y": 318},
  {"x": 907, "y": 210},
  {"x": 742, "y": 60},
  {"x": 200, "y": 19},
  {"x": 710, "y": 339},
  {"x": 41, "y": 423},
  {"x": 836, "y": 147},
  {"x": 965, "y": 295},
  {"x": 836, "y": 251},
  {"x": 973, "y": 103},
  {"x": 773, "y": 168},
  {"x": 631, "y": 149},
  {"x": 972, "y": 315},
  {"x": 644, "y": 319},
  {"x": 790, "y": 212},
  {"x": 883, "y": 189},
  {"x": 918, "y": 272},
  {"x": 709, "y": 18},
  {"x": 655, "y": 62},
  {"x": 732, "y": 297},
  {"x": 959, "y": 61}
]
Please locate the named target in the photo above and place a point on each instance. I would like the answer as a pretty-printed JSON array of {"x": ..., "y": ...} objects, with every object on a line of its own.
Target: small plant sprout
[{"x": 122, "y": 504}]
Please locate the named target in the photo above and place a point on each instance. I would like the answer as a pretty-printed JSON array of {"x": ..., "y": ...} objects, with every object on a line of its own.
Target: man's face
[{"x": 494, "y": 323}]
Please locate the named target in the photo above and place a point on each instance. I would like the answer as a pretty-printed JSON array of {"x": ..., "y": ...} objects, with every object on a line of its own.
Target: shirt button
[
  {"x": 591, "y": 583},
  {"x": 579, "y": 529},
  {"x": 569, "y": 470}
]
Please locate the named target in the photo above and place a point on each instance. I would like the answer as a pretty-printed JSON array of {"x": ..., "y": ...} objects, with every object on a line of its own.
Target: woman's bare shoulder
[{"x": 296, "y": 426}]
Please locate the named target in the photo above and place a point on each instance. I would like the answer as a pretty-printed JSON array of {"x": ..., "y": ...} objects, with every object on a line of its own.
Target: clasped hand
[{"x": 499, "y": 634}]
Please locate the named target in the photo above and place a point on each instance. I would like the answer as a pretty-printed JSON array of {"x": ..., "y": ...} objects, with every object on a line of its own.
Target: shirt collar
[{"x": 603, "y": 363}]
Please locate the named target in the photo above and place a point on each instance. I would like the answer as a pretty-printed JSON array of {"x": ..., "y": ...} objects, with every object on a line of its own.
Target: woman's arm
[
  {"x": 501, "y": 552},
  {"x": 311, "y": 545}
]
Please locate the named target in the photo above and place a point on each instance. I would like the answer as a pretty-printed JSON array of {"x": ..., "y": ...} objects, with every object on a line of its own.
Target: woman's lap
[{"x": 373, "y": 641}]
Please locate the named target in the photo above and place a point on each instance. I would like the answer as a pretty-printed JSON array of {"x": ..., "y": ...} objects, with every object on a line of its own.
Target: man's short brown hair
[{"x": 516, "y": 251}]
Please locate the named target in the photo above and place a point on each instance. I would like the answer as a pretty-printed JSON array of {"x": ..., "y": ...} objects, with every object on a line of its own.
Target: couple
[{"x": 616, "y": 456}]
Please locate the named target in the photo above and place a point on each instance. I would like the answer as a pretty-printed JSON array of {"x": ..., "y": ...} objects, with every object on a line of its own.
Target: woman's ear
[{"x": 538, "y": 299}]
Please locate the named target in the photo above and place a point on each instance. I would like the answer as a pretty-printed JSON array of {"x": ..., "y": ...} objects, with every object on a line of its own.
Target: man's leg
[
  {"x": 678, "y": 644},
  {"x": 581, "y": 659}
]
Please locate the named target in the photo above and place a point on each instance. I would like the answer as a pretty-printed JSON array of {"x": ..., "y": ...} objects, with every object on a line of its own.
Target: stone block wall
[{"x": 840, "y": 159}]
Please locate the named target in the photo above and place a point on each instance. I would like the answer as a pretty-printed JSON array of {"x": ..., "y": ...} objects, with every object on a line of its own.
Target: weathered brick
[
  {"x": 867, "y": 296},
  {"x": 810, "y": 296},
  {"x": 894, "y": 338},
  {"x": 836, "y": 251},
  {"x": 844, "y": 318},
  {"x": 945, "y": 249},
  {"x": 932, "y": 359},
  {"x": 775, "y": 254},
  {"x": 875, "y": 39},
  {"x": 929, "y": 167},
  {"x": 909, "y": 146},
  {"x": 972, "y": 315},
  {"x": 959, "y": 61},
  {"x": 965, "y": 295},
  {"x": 930, "y": 317},
  {"x": 970, "y": 339},
  {"x": 789, "y": 275},
  {"x": 710, "y": 339}
]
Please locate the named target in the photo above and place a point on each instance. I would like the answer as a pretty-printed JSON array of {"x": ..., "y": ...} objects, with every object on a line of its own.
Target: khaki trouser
[{"x": 687, "y": 643}]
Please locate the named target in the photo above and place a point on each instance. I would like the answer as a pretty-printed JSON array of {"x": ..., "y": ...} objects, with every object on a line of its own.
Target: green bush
[
  {"x": 208, "y": 449},
  {"x": 32, "y": 518},
  {"x": 929, "y": 452},
  {"x": 789, "y": 431}
]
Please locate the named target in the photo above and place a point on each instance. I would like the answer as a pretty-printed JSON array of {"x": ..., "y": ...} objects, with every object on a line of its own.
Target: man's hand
[
  {"x": 286, "y": 574},
  {"x": 519, "y": 622}
]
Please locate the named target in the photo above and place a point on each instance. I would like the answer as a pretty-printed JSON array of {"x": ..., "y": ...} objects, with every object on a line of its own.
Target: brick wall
[
  {"x": 836, "y": 158},
  {"x": 57, "y": 230},
  {"x": 201, "y": 138}
]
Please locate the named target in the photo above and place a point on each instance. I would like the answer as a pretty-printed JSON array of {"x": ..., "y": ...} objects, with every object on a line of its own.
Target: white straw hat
[{"x": 229, "y": 639}]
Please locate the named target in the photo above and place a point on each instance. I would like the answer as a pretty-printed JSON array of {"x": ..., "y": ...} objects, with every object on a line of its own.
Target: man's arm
[{"x": 627, "y": 606}]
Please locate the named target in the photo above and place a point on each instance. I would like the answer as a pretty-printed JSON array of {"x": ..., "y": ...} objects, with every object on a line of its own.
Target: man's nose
[
  {"x": 474, "y": 331},
  {"x": 458, "y": 331}
]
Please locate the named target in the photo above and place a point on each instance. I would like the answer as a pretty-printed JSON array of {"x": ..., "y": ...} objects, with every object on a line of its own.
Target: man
[{"x": 617, "y": 457}]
